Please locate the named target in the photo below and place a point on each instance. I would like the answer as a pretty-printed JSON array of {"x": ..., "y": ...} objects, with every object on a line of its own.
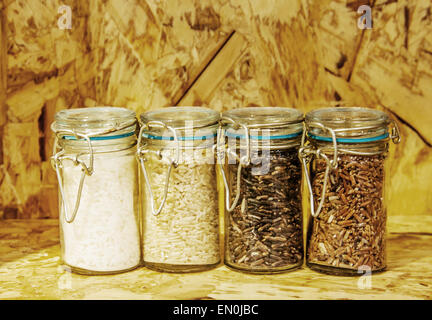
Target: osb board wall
[{"x": 222, "y": 54}]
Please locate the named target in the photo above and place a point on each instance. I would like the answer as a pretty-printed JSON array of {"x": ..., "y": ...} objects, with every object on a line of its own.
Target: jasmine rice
[{"x": 104, "y": 236}]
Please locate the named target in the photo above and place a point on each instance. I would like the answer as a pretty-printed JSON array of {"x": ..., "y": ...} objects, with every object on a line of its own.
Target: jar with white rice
[
  {"x": 180, "y": 202},
  {"x": 98, "y": 189}
]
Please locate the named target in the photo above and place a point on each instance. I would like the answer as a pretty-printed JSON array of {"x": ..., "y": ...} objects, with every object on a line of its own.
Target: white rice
[{"x": 105, "y": 234}]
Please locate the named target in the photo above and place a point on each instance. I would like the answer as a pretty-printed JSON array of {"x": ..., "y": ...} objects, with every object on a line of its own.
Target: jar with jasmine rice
[
  {"x": 180, "y": 203},
  {"x": 94, "y": 158},
  {"x": 263, "y": 216},
  {"x": 345, "y": 150}
]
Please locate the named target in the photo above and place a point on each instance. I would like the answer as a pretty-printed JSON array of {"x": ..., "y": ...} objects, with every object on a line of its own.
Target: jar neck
[
  {"x": 210, "y": 142},
  {"x": 102, "y": 140},
  {"x": 263, "y": 144},
  {"x": 186, "y": 138},
  {"x": 98, "y": 146},
  {"x": 366, "y": 148},
  {"x": 260, "y": 138}
]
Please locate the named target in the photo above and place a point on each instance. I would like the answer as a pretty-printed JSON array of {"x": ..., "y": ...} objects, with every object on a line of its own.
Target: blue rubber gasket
[
  {"x": 153, "y": 137},
  {"x": 120, "y": 136},
  {"x": 284, "y": 136},
  {"x": 350, "y": 140}
]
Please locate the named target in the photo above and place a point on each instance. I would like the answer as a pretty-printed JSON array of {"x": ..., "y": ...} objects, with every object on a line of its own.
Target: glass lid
[
  {"x": 264, "y": 123},
  {"x": 182, "y": 117},
  {"x": 265, "y": 116},
  {"x": 348, "y": 122},
  {"x": 189, "y": 124},
  {"x": 95, "y": 120}
]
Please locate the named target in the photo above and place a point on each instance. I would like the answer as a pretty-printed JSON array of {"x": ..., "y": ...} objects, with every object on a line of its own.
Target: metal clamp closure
[
  {"x": 242, "y": 161},
  {"x": 141, "y": 152},
  {"x": 395, "y": 133},
  {"x": 56, "y": 162},
  {"x": 306, "y": 152},
  {"x": 221, "y": 156},
  {"x": 59, "y": 156}
]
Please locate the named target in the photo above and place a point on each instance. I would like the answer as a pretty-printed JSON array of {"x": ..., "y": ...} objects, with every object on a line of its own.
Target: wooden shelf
[{"x": 30, "y": 268}]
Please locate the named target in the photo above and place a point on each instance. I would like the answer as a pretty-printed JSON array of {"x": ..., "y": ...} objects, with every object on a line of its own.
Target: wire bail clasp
[
  {"x": 57, "y": 164},
  {"x": 305, "y": 155},
  {"x": 222, "y": 151},
  {"x": 395, "y": 133},
  {"x": 141, "y": 152}
]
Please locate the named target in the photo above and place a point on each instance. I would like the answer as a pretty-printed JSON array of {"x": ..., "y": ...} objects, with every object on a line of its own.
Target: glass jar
[
  {"x": 94, "y": 157},
  {"x": 180, "y": 201},
  {"x": 263, "y": 217},
  {"x": 345, "y": 152}
]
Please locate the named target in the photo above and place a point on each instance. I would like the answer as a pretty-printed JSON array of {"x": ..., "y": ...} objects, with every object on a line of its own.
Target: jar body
[
  {"x": 348, "y": 237},
  {"x": 104, "y": 237},
  {"x": 264, "y": 232},
  {"x": 184, "y": 236}
]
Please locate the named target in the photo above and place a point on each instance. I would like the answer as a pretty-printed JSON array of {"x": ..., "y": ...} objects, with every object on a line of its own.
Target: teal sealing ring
[
  {"x": 181, "y": 138},
  {"x": 350, "y": 140},
  {"x": 284, "y": 136},
  {"x": 120, "y": 136}
]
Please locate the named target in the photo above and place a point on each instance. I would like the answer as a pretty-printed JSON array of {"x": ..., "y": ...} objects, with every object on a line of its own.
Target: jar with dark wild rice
[
  {"x": 344, "y": 153},
  {"x": 263, "y": 219}
]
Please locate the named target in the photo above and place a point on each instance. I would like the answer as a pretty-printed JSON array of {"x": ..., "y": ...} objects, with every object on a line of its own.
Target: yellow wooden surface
[
  {"x": 221, "y": 54},
  {"x": 30, "y": 268}
]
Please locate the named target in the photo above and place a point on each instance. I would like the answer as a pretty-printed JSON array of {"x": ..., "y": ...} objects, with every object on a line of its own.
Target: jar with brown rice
[{"x": 344, "y": 152}]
